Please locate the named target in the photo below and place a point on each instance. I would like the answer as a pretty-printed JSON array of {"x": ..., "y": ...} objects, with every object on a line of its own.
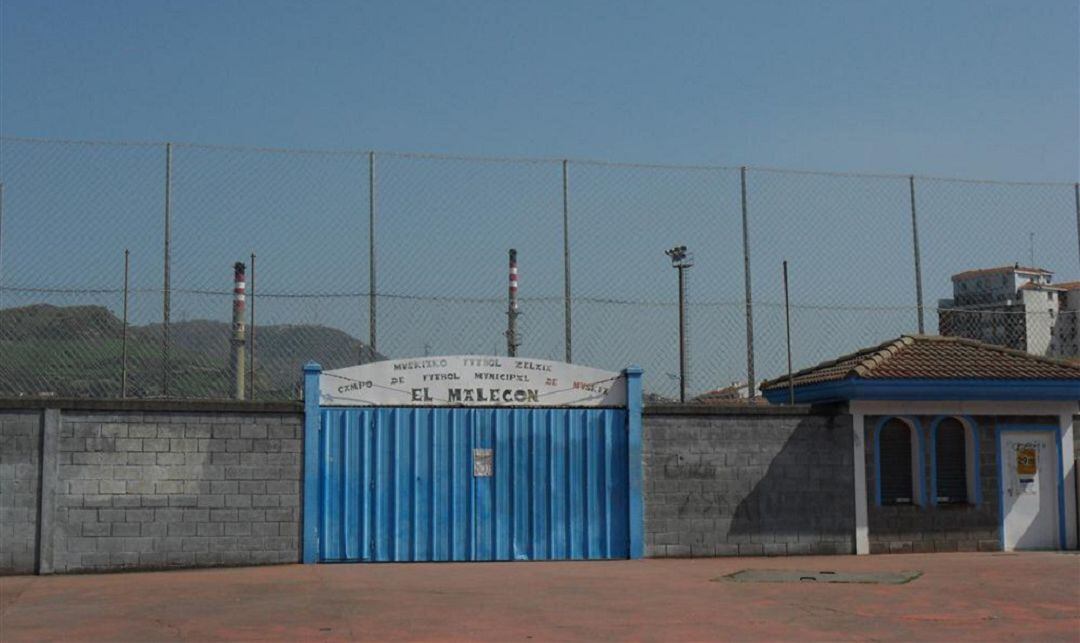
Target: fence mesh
[{"x": 442, "y": 227}]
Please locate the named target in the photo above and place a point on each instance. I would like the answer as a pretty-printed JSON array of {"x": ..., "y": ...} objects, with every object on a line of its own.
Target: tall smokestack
[
  {"x": 512, "y": 341},
  {"x": 238, "y": 330}
]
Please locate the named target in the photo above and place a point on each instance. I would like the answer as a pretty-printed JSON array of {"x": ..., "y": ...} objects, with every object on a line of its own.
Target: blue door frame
[{"x": 396, "y": 483}]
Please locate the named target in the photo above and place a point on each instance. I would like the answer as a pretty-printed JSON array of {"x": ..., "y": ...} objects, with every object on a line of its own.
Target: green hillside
[{"x": 76, "y": 351}]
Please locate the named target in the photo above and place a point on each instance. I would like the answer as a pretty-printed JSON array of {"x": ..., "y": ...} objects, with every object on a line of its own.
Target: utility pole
[
  {"x": 238, "y": 332},
  {"x": 681, "y": 261},
  {"x": 512, "y": 339}
]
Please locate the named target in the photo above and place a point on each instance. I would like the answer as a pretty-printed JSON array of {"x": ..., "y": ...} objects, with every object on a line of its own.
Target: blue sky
[{"x": 980, "y": 88}]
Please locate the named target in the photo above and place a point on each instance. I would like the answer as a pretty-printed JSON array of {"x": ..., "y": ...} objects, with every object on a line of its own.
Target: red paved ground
[{"x": 960, "y": 596}]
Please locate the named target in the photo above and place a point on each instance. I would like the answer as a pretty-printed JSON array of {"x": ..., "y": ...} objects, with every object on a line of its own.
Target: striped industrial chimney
[
  {"x": 512, "y": 341},
  {"x": 238, "y": 329}
]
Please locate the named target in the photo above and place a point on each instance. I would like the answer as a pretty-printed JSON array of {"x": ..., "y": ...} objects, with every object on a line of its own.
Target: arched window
[
  {"x": 897, "y": 463},
  {"x": 955, "y": 453},
  {"x": 950, "y": 465}
]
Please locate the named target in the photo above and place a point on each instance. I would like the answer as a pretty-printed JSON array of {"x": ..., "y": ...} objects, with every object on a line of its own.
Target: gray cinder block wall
[
  {"x": 747, "y": 481},
  {"x": 20, "y": 452},
  {"x": 154, "y": 485}
]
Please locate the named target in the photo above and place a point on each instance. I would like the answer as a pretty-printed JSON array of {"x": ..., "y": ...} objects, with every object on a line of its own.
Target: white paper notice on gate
[{"x": 471, "y": 380}]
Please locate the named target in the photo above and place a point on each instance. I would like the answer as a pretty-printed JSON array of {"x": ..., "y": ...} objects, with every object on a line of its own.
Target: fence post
[
  {"x": 371, "y": 253},
  {"x": 566, "y": 260},
  {"x": 634, "y": 462},
  {"x": 310, "y": 545},
  {"x": 1, "y": 245},
  {"x": 124, "y": 340},
  {"x": 787, "y": 332},
  {"x": 1076, "y": 200},
  {"x": 165, "y": 312},
  {"x": 251, "y": 329},
  {"x": 751, "y": 384},
  {"x": 918, "y": 260}
]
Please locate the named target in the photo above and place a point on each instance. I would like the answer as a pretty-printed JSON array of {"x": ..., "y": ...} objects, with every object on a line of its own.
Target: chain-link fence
[{"x": 360, "y": 256}]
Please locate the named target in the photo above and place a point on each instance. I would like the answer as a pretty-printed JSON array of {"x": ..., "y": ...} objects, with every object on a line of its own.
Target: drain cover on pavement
[{"x": 797, "y": 576}]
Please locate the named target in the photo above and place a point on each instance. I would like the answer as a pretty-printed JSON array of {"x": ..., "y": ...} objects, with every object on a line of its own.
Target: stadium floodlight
[{"x": 681, "y": 260}]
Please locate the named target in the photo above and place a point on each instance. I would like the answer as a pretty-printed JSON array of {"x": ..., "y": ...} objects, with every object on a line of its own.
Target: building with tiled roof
[
  {"x": 1027, "y": 273},
  {"x": 941, "y": 362},
  {"x": 1016, "y": 307},
  {"x": 957, "y": 444},
  {"x": 736, "y": 393}
]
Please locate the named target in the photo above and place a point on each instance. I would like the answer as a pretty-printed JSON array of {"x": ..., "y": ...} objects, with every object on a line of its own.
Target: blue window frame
[
  {"x": 901, "y": 469},
  {"x": 940, "y": 462}
]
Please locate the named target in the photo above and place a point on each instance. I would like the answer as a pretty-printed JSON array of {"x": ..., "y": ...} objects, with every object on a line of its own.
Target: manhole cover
[{"x": 797, "y": 576}]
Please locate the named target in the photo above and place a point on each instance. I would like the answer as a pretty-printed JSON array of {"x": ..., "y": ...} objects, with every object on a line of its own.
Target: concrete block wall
[
  {"x": 138, "y": 487},
  {"x": 737, "y": 481},
  {"x": 20, "y": 452},
  {"x": 930, "y": 528}
]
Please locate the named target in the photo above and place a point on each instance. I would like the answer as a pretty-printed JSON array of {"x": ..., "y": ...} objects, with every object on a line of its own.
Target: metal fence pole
[
  {"x": 918, "y": 260},
  {"x": 751, "y": 384},
  {"x": 566, "y": 260},
  {"x": 165, "y": 312},
  {"x": 371, "y": 253},
  {"x": 251, "y": 330},
  {"x": 787, "y": 329},
  {"x": 1076, "y": 200},
  {"x": 1, "y": 245},
  {"x": 124, "y": 338}
]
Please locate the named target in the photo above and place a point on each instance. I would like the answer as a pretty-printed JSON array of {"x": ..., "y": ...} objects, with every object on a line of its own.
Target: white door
[{"x": 1029, "y": 489}]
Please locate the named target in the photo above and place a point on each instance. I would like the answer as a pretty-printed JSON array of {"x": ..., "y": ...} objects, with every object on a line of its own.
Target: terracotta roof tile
[
  {"x": 726, "y": 395},
  {"x": 1069, "y": 285},
  {"x": 936, "y": 358}
]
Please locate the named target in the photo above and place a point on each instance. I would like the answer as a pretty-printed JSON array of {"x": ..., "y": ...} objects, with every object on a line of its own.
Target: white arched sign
[{"x": 471, "y": 380}]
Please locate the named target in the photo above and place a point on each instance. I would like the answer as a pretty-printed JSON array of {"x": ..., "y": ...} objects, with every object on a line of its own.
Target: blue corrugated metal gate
[
  {"x": 457, "y": 483},
  {"x": 397, "y": 484}
]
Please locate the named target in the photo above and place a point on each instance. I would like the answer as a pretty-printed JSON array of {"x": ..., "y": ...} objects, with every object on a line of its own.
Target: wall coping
[
  {"x": 237, "y": 406},
  {"x": 149, "y": 405},
  {"x": 744, "y": 409}
]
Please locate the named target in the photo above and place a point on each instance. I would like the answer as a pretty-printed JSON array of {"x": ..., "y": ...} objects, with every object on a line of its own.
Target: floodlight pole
[
  {"x": 682, "y": 333},
  {"x": 681, "y": 262}
]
